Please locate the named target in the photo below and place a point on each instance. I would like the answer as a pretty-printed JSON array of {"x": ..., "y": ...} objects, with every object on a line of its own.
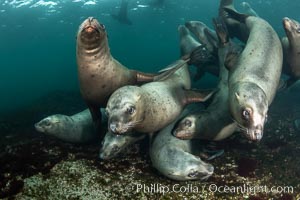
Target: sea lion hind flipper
[
  {"x": 211, "y": 37},
  {"x": 221, "y": 31},
  {"x": 194, "y": 96},
  {"x": 235, "y": 15},
  {"x": 214, "y": 154},
  {"x": 97, "y": 119}
]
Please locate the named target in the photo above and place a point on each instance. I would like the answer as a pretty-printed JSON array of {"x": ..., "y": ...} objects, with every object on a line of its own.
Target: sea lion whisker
[
  {"x": 240, "y": 126},
  {"x": 134, "y": 122}
]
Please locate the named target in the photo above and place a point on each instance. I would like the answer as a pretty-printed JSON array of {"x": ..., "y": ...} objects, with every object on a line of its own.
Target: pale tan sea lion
[
  {"x": 152, "y": 106},
  {"x": 77, "y": 128},
  {"x": 178, "y": 159},
  {"x": 254, "y": 80},
  {"x": 291, "y": 49},
  {"x": 112, "y": 144}
]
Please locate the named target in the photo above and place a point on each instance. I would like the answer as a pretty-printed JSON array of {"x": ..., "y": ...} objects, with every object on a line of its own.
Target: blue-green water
[{"x": 37, "y": 38}]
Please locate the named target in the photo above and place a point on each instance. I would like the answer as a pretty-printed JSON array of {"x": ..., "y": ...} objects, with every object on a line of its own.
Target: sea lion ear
[
  {"x": 138, "y": 97},
  {"x": 237, "y": 96}
]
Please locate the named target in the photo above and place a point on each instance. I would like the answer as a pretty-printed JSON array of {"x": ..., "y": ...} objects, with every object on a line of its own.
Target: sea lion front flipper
[
  {"x": 194, "y": 96},
  {"x": 221, "y": 31},
  {"x": 97, "y": 118},
  {"x": 198, "y": 56},
  {"x": 170, "y": 69},
  {"x": 213, "y": 154},
  {"x": 211, "y": 37}
]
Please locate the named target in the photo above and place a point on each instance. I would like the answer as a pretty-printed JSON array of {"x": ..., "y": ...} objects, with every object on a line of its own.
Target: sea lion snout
[
  {"x": 255, "y": 134},
  {"x": 117, "y": 127},
  {"x": 286, "y": 23},
  {"x": 108, "y": 153}
]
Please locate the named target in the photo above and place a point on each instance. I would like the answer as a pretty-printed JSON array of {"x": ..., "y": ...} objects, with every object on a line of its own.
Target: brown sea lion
[
  {"x": 291, "y": 49},
  {"x": 254, "y": 80},
  {"x": 99, "y": 73}
]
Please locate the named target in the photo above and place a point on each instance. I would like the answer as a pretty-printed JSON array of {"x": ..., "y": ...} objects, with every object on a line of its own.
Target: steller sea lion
[
  {"x": 291, "y": 49},
  {"x": 177, "y": 159},
  {"x": 174, "y": 158},
  {"x": 215, "y": 122},
  {"x": 98, "y": 72},
  {"x": 188, "y": 44},
  {"x": 77, "y": 128},
  {"x": 234, "y": 27},
  {"x": 205, "y": 35},
  {"x": 152, "y": 106},
  {"x": 112, "y": 144},
  {"x": 253, "y": 81}
]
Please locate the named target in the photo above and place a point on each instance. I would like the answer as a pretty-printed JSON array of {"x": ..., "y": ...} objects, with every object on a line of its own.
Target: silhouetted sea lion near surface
[
  {"x": 152, "y": 106},
  {"x": 254, "y": 79},
  {"x": 291, "y": 49},
  {"x": 122, "y": 15}
]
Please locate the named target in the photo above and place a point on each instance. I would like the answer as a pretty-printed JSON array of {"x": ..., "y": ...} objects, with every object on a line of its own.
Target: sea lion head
[
  {"x": 249, "y": 106},
  {"x": 51, "y": 125},
  {"x": 245, "y": 5},
  {"x": 125, "y": 109},
  {"x": 185, "y": 129},
  {"x": 91, "y": 33},
  {"x": 113, "y": 145},
  {"x": 291, "y": 27}
]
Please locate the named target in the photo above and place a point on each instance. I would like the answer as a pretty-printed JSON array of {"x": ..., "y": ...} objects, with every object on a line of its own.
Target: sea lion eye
[
  {"x": 298, "y": 30},
  {"x": 130, "y": 110},
  {"x": 188, "y": 123},
  {"x": 246, "y": 114},
  {"x": 47, "y": 123}
]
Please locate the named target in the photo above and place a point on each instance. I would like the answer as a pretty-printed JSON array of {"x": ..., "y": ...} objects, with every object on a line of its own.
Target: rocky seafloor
[{"x": 36, "y": 166}]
